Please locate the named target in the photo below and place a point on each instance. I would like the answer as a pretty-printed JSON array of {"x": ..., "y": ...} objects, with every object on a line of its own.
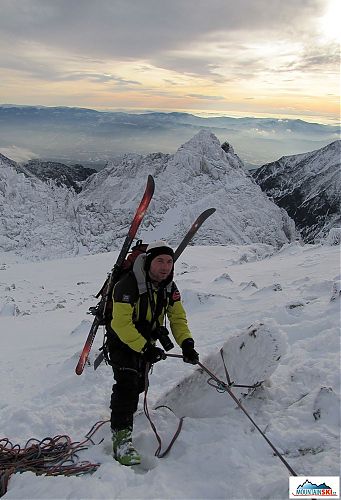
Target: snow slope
[{"x": 294, "y": 293}]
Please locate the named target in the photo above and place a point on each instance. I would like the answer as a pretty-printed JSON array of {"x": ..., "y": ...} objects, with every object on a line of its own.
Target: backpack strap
[
  {"x": 161, "y": 302},
  {"x": 143, "y": 307}
]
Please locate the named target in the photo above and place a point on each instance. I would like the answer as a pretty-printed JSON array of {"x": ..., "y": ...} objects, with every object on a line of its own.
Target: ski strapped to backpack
[
  {"x": 141, "y": 248},
  {"x": 101, "y": 309}
]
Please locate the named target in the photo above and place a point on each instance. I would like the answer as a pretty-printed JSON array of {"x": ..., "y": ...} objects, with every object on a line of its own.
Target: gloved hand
[
  {"x": 153, "y": 354},
  {"x": 189, "y": 354}
]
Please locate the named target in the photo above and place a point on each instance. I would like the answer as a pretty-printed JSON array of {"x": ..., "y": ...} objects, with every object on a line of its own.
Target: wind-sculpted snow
[
  {"x": 250, "y": 358},
  {"x": 36, "y": 220},
  {"x": 40, "y": 220}
]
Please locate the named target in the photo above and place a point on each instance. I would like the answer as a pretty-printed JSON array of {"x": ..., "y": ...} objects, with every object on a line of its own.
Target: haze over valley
[{"x": 86, "y": 136}]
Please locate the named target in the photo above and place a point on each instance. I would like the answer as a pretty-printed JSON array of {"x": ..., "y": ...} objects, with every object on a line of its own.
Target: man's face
[{"x": 160, "y": 267}]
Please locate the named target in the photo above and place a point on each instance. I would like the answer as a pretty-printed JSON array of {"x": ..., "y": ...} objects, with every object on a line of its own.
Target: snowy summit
[{"x": 43, "y": 221}]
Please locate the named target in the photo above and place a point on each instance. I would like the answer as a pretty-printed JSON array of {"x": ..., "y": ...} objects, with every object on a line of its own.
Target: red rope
[
  {"x": 50, "y": 456},
  {"x": 146, "y": 411}
]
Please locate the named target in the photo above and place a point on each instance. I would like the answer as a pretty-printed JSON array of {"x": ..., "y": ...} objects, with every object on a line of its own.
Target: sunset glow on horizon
[{"x": 252, "y": 59}]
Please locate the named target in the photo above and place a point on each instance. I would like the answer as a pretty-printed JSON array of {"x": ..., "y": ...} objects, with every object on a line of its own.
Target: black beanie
[{"x": 157, "y": 248}]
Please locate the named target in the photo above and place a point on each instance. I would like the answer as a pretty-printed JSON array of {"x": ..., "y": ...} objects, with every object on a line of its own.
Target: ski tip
[
  {"x": 151, "y": 181},
  {"x": 205, "y": 214}
]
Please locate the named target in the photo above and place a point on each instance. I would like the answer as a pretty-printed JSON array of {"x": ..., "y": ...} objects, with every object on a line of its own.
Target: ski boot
[{"x": 123, "y": 449}]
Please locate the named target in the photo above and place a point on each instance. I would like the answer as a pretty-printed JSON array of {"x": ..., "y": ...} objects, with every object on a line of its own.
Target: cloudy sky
[{"x": 222, "y": 57}]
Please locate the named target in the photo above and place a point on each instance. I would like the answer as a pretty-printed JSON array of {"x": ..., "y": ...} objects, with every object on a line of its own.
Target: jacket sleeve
[
  {"x": 124, "y": 300},
  {"x": 177, "y": 317},
  {"x": 124, "y": 327}
]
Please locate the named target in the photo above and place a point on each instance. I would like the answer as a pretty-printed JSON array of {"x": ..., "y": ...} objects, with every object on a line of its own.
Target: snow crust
[{"x": 291, "y": 295}]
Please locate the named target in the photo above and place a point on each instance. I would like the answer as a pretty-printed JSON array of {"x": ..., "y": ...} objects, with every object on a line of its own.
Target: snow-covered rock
[
  {"x": 44, "y": 221},
  {"x": 37, "y": 220},
  {"x": 198, "y": 176},
  {"x": 308, "y": 187}
]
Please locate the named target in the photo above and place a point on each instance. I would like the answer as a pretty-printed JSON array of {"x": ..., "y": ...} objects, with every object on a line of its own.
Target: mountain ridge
[
  {"x": 44, "y": 221},
  {"x": 91, "y": 137},
  {"x": 308, "y": 187}
]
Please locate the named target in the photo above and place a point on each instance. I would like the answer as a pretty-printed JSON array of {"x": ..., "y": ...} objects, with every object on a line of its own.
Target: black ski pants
[{"x": 129, "y": 369}]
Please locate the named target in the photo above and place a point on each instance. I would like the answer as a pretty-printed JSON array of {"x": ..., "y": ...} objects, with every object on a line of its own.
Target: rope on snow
[{"x": 51, "y": 456}]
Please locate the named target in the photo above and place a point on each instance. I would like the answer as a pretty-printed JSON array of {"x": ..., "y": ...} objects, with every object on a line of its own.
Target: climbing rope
[
  {"x": 221, "y": 386},
  {"x": 58, "y": 455},
  {"x": 146, "y": 412},
  {"x": 212, "y": 381},
  {"x": 51, "y": 456}
]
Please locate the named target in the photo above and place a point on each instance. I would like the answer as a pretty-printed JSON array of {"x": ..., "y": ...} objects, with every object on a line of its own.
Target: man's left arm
[{"x": 177, "y": 317}]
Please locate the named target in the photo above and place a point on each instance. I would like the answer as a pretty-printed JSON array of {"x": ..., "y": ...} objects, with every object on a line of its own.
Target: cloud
[
  {"x": 127, "y": 52},
  {"x": 18, "y": 154},
  {"x": 315, "y": 58},
  {"x": 208, "y": 97},
  {"x": 150, "y": 29},
  {"x": 98, "y": 77}
]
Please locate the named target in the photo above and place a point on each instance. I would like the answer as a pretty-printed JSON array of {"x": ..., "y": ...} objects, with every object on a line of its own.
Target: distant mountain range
[
  {"x": 89, "y": 137},
  {"x": 44, "y": 220},
  {"x": 308, "y": 187}
]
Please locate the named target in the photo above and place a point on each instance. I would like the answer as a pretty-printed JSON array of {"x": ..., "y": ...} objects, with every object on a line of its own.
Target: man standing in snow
[{"x": 141, "y": 301}]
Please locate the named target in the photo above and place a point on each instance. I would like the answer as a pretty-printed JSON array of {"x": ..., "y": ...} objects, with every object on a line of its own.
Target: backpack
[{"x": 126, "y": 267}]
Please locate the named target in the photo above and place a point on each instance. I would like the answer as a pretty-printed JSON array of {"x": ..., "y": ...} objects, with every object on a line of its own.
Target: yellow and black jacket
[{"x": 131, "y": 301}]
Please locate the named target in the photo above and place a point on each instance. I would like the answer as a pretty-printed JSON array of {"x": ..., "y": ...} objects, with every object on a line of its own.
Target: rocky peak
[
  {"x": 199, "y": 175},
  {"x": 308, "y": 187},
  {"x": 62, "y": 175}
]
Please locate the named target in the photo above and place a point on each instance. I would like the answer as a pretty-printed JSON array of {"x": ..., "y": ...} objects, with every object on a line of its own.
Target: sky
[{"x": 245, "y": 58}]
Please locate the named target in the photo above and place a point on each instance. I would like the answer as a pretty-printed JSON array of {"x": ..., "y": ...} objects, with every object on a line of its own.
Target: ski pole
[{"x": 224, "y": 386}]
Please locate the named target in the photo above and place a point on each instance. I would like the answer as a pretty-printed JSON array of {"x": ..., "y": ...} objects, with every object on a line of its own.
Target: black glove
[
  {"x": 153, "y": 354},
  {"x": 189, "y": 354}
]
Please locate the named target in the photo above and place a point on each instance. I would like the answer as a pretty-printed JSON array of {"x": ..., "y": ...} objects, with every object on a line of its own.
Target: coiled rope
[{"x": 51, "y": 456}]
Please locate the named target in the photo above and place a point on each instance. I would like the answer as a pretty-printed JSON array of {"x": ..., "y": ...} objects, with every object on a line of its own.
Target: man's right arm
[{"x": 125, "y": 297}]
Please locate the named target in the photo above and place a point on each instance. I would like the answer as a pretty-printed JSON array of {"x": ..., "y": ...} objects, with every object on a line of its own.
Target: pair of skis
[{"x": 99, "y": 310}]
